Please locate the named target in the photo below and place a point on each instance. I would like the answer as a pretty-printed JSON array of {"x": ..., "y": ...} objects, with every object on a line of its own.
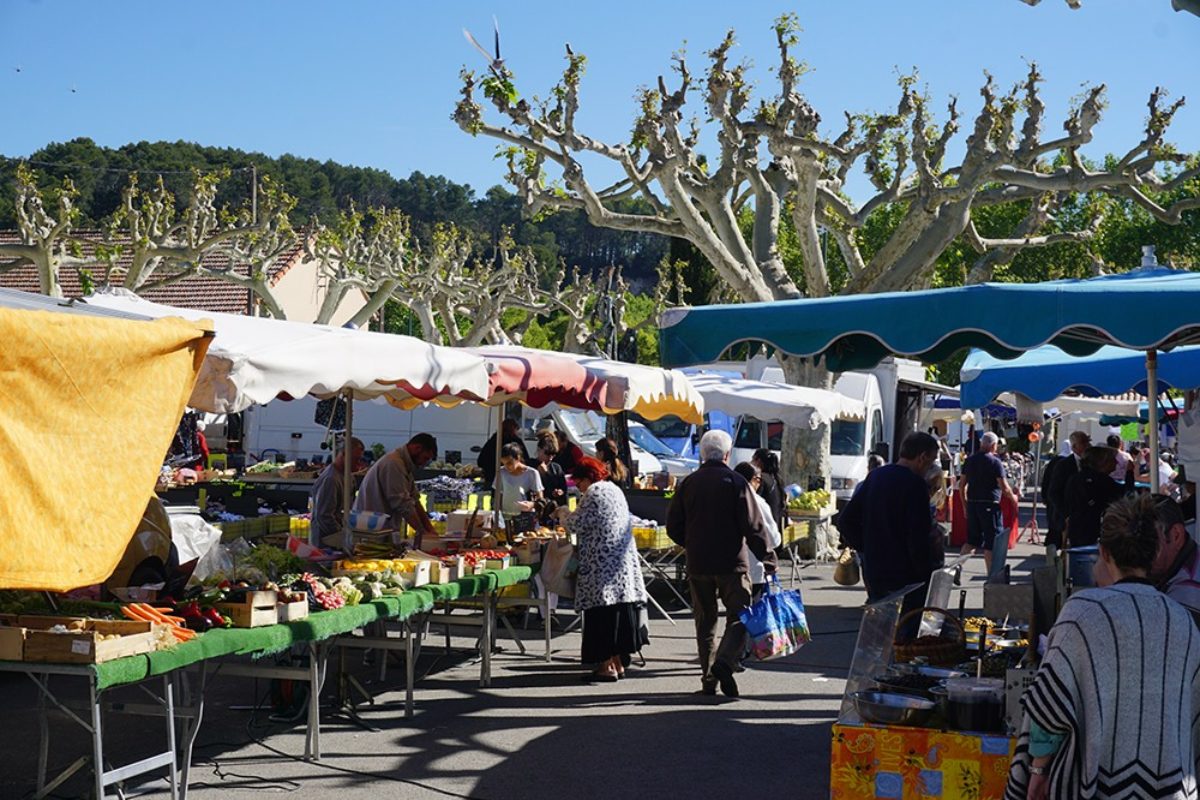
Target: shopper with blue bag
[{"x": 776, "y": 624}]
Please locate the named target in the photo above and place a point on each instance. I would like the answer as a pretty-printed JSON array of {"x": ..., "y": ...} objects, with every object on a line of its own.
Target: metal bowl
[{"x": 885, "y": 708}]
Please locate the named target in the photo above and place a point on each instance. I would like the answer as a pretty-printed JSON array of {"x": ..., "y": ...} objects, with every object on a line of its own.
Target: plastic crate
[
  {"x": 652, "y": 538},
  {"x": 794, "y": 532},
  {"x": 278, "y": 523}
]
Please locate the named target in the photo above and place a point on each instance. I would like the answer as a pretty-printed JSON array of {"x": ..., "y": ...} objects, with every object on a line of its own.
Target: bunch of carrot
[{"x": 144, "y": 612}]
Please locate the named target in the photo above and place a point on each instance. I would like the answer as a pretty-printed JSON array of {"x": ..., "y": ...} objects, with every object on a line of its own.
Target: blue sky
[{"x": 374, "y": 83}]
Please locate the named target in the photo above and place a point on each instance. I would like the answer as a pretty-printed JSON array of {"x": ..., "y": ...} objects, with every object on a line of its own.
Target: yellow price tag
[
  {"x": 571, "y": 503},
  {"x": 487, "y": 502},
  {"x": 472, "y": 502}
]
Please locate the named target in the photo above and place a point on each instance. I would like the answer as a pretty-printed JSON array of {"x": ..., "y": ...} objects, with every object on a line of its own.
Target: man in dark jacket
[
  {"x": 715, "y": 517},
  {"x": 889, "y": 523},
  {"x": 1056, "y": 498}
]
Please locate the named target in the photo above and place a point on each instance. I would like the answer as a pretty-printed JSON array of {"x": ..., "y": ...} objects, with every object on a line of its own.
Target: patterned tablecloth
[{"x": 875, "y": 762}]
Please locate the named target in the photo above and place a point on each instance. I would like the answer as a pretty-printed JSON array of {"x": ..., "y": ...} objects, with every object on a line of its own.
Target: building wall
[{"x": 300, "y": 294}]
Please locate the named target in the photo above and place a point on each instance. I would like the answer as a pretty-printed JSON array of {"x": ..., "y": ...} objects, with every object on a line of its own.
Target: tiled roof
[{"x": 200, "y": 293}]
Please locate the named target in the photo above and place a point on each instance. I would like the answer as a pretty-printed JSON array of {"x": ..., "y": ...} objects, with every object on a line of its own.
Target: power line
[{"x": 91, "y": 168}]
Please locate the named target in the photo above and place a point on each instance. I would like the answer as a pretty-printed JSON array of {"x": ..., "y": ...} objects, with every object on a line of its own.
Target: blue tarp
[
  {"x": 1005, "y": 319},
  {"x": 1045, "y": 373}
]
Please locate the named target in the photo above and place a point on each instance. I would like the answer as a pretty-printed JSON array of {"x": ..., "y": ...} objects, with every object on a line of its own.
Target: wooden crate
[
  {"x": 257, "y": 610},
  {"x": 12, "y": 641},
  {"x": 84, "y": 646},
  {"x": 290, "y": 612}
]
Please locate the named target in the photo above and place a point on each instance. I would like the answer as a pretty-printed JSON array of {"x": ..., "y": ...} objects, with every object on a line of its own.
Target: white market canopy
[
  {"x": 1095, "y": 406},
  {"x": 652, "y": 392},
  {"x": 253, "y": 360},
  {"x": 792, "y": 405}
]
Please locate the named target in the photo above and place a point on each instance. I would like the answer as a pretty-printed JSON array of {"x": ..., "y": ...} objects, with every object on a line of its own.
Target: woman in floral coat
[{"x": 609, "y": 589}]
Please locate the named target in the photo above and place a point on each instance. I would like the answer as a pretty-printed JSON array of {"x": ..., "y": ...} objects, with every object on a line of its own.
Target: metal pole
[
  {"x": 254, "y": 194},
  {"x": 347, "y": 471},
  {"x": 499, "y": 481},
  {"x": 1152, "y": 396}
]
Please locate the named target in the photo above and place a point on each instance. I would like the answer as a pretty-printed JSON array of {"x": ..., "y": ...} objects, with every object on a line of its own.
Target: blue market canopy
[
  {"x": 1004, "y": 319},
  {"x": 1047, "y": 372}
]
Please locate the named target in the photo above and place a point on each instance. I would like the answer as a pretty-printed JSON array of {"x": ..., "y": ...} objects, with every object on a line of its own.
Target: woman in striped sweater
[{"x": 1113, "y": 710}]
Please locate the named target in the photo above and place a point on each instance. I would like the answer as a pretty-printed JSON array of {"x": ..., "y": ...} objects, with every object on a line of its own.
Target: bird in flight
[{"x": 495, "y": 63}]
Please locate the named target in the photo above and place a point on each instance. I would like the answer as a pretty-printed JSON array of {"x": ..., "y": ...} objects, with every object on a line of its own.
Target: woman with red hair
[{"x": 609, "y": 588}]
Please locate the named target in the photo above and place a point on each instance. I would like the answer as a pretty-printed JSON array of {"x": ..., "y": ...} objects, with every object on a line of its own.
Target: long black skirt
[{"x": 614, "y": 630}]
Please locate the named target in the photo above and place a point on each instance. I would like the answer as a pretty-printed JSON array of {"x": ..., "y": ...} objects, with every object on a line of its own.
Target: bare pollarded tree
[
  {"x": 148, "y": 243},
  {"x": 770, "y": 158},
  {"x": 45, "y": 220}
]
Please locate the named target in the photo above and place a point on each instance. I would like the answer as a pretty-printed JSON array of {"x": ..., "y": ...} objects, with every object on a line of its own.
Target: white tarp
[
  {"x": 253, "y": 360},
  {"x": 1094, "y": 406},
  {"x": 792, "y": 405}
]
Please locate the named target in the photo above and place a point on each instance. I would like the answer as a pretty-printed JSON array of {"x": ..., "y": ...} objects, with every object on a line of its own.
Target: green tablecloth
[{"x": 316, "y": 627}]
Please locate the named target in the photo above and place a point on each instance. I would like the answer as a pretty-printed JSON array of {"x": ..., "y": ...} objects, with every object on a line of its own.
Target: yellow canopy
[{"x": 88, "y": 407}]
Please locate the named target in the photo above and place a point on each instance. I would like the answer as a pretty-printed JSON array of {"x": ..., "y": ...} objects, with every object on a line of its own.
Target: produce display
[
  {"x": 144, "y": 612},
  {"x": 814, "y": 500},
  {"x": 474, "y": 557}
]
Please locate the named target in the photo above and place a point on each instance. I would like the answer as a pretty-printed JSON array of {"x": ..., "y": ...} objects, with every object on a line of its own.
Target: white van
[{"x": 287, "y": 428}]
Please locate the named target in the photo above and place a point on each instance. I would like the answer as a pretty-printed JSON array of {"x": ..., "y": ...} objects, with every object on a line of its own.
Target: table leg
[
  {"x": 194, "y": 703},
  {"x": 546, "y": 621},
  {"x": 97, "y": 741},
  {"x": 173, "y": 766},
  {"x": 312, "y": 739},
  {"x": 485, "y": 641},
  {"x": 410, "y": 671}
]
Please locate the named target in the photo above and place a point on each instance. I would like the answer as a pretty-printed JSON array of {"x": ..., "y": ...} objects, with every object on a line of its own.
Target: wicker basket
[{"x": 948, "y": 649}]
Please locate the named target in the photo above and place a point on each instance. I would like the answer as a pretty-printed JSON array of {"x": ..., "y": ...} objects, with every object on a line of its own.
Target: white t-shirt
[{"x": 517, "y": 488}]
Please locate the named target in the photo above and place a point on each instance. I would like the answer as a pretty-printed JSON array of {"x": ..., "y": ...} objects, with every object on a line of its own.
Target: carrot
[
  {"x": 153, "y": 613},
  {"x": 134, "y": 611},
  {"x": 183, "y": 634}
]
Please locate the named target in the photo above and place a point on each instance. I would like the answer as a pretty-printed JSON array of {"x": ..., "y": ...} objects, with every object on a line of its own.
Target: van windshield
[{"x": 847, "y": 438}]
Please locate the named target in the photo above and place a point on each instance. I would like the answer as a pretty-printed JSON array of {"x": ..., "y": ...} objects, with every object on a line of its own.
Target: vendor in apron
[{"x": 520, "y": 488}]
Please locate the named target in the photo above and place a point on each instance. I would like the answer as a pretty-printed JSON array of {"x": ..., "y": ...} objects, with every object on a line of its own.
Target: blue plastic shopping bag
[{"x": 776, "y": 624}]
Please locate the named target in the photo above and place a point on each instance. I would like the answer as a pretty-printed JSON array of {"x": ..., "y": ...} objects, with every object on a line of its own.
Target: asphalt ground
[{"x": 538, "y": 731}]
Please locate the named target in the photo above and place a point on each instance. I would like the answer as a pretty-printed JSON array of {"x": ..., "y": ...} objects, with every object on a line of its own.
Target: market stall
[
  {"x": 855, "y": 332},
  {"x": 539, "y": 379},
  {"x": 933, "y": 715},
  {"x": 129, "y": 379},
  {"x": 152, "y": 363}
]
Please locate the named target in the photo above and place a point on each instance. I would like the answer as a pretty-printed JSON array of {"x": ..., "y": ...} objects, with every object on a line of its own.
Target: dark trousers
[{"x": 734, "y": 591}]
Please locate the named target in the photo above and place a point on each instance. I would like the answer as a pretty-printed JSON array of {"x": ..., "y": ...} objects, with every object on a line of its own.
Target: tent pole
[
  {"x": 347, "y": 471},
  {"x": 499, "y": 481},
  {"x": 1152, "y": 396}
]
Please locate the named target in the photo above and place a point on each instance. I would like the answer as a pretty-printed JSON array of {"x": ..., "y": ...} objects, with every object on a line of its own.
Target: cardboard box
[
  {"x": 419, "y": 568},
  {"x": 498, "y": 563},
  {"x": 84, "y": 644}
]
